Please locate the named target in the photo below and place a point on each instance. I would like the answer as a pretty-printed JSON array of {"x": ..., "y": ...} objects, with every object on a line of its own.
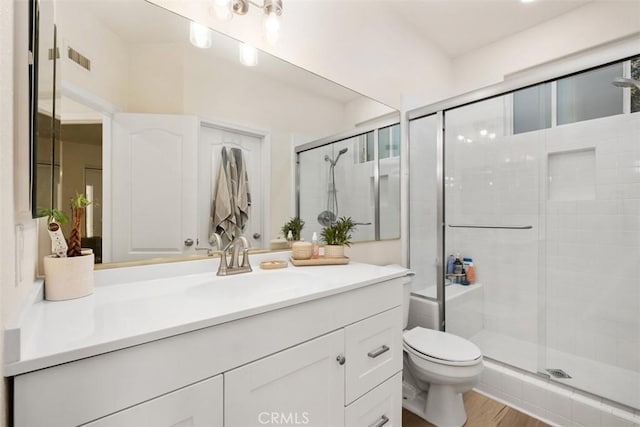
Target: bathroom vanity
[{"x": 176, "y": 345}]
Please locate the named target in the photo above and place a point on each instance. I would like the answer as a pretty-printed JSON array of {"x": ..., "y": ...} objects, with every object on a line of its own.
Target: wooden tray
[
  {"x": 273, "y": 264},
  {"x": 319, "y": 261}
]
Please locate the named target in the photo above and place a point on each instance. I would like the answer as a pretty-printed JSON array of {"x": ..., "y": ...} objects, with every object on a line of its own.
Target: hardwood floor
[{"x": 481, "y": 412}]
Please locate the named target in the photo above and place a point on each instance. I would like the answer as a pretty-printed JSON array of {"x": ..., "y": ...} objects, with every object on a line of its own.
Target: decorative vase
[
  {"x": 68, "y": 278},
  {"x": 334, "y": 251}
]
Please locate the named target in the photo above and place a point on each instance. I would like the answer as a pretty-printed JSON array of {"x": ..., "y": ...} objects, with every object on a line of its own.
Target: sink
[{"x": 256, "y": 284}]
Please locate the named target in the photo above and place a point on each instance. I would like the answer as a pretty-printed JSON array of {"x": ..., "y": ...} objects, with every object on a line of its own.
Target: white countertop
[{"x": 156, "y": 303}]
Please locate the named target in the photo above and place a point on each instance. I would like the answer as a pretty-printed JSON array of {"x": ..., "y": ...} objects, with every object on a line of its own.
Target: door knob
[
  {"x": 188, "y": 242},
  {"x": 341, "y": 359},
  {"x": 256, "y": 236}
]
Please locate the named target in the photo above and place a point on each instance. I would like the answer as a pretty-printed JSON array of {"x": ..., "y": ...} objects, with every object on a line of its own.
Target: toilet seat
[{"x": 441, "y": 347}]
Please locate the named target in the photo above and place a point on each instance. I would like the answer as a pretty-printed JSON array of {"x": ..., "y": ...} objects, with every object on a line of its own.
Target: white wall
[
  {"x": 108, "y": 54},
  {"x": 591, "y": 25},
  {"x": 363, "y": 48}
]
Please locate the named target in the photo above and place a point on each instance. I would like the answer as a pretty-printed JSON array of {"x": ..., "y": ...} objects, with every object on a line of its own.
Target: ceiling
[{"x": 460, "y": 26}]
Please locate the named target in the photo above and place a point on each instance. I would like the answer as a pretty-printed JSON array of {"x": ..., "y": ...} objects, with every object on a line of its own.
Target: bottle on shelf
[
  {"x": 315, "y": 246},
  {"x": 458, "y": 267},
  {"x": 290, "y": 239},
  {"x": 450, "y": 264}
]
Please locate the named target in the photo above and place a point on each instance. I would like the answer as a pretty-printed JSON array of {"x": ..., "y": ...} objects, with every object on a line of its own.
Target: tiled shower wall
[
  {"x": 578, "y": 185},
  {"x": 593, "y": 243}
]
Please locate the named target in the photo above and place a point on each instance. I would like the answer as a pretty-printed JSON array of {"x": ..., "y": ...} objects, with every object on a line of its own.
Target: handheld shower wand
[{"x": 329, "y": 216}]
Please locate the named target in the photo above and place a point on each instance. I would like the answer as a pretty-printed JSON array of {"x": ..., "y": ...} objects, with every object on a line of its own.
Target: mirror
[{"x": 144, "y": 117}]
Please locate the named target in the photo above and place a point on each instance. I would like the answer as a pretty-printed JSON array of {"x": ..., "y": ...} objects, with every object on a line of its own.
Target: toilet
[{"x": 438, "y": 368}]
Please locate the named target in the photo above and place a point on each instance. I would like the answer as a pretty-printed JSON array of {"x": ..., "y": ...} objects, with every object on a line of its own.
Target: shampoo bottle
[{"x": 450, "y": 264}]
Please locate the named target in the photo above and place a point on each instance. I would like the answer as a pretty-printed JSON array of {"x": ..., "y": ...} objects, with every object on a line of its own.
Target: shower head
[
  {"x": 625, "y": 82},
  {"x": 340, "y": 153}
]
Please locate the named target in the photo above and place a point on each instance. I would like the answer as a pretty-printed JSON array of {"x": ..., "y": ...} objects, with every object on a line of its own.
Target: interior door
[
  {"x": 154, "y": 158},
  {"x": 212, "y": 139}
]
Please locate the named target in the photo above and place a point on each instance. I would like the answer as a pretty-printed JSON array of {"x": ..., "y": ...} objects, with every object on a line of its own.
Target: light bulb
[
  {"x": 483, "y": 132},
  {"x": 200, "y": 35},
  {"x": 271, "y": 27},
  {"x": 221, "y": 9},
  {"x": 248, "y": 55}
]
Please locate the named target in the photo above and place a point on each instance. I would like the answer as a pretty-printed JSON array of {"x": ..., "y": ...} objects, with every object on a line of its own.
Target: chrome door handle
[
  {"x": 341, "y": 359},
  {"x": 383, "y": 420},
  {"x": 188, "y": 242},
  {"x": 378, "y": 351}
]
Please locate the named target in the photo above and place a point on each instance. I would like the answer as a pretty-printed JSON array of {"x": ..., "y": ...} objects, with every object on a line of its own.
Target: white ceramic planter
[
  {"x": 68, "y": 278},
  {"x": 334, "y": 251}
]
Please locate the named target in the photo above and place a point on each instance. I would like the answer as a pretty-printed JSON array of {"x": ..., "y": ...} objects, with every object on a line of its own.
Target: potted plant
[
  {"x": 68, "y": 275},
  {"x": 295, "y": 226},
  {"x": 337, "y": 236}
]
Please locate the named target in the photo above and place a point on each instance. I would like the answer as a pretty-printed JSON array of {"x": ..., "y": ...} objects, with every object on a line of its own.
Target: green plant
[
  {"x": 54, "y": 215},
  {"x": 338, "y": 233},
  {"x": 78, "y": 204},
  {"x": 295, "y": 225}
]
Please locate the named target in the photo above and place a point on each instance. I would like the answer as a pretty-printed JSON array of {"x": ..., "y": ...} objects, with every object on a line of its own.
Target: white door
[
  {"x": 153, "y": 182},
  {"x": 212, "y": 139},
  {"x": 303, "y": 385}
]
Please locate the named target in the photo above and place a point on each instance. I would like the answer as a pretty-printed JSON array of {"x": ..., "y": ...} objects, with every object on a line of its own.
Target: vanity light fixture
[
  {"x": 248, "y": 55},
  {"x": 224, "y": 10},
  {"x": 200, "y": 35}
]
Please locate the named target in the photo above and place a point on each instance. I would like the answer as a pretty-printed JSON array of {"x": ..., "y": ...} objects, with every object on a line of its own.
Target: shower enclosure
[
  {"x": 357, "y": 175},
  {"x": 540, "y": 185}
]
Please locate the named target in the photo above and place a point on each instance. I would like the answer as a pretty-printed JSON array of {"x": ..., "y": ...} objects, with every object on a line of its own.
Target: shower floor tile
[{"x": 610, "y": 382}]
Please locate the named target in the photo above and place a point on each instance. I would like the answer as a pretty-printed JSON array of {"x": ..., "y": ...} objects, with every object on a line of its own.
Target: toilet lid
[{"x": 441, "y": 345}]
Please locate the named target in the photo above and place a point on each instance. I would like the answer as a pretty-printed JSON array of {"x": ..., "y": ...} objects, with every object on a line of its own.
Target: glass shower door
[{"x": 492, "y": 193}]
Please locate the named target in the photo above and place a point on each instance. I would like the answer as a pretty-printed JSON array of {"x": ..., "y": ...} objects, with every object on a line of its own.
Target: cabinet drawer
[
  {"x": 199, "y": 404},
  {"x": 382, "y": 406},
  {"x": 373, "y": 349}
]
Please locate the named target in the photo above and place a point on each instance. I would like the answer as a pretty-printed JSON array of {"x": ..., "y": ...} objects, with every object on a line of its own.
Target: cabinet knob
[
  {"x": 188, "y": 242},
  {"x": 341, "y": 359}
]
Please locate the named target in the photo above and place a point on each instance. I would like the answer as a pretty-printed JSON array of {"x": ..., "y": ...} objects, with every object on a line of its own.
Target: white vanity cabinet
[
  {"x": 301, "y": 385},
  {"x": 199, "y": 404},
  {"x": 333, "y": 360}
]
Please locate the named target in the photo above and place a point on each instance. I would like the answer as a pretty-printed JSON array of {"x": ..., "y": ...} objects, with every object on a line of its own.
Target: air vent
[
  {"x": 79, "y": 59},
  {"x": 558, "y": 373}
]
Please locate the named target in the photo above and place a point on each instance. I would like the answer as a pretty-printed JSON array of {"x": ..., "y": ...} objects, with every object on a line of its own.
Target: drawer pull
[
  {"x": 383, "y": 420},
  {"x": 378, "y": 351}
]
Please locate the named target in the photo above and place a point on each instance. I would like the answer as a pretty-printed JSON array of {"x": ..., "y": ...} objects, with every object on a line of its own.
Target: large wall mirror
[{"x": 141, "y": 118}]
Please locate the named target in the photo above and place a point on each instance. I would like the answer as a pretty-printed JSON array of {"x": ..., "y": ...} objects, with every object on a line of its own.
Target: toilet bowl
[
  {"x": 444, "y": 366},
  {"x": 438, "y": 368}
]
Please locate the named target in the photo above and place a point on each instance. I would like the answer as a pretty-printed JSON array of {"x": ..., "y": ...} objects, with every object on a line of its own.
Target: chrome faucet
[
  {"x": 234, "y": 267},
  {"x": 214, "y": 240}
]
